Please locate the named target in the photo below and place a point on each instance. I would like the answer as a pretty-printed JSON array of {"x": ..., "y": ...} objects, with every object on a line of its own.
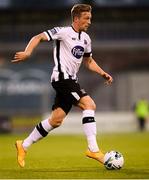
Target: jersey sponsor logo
[{"x": 77, "y": 51}]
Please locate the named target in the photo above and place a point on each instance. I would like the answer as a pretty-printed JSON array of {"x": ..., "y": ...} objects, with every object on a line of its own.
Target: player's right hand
[
  {"x": 20, "y": 56},
  {"x": 108, "y": 78}
]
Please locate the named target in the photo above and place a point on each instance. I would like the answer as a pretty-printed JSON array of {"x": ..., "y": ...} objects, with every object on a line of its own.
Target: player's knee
[
  {"x": 56, "y": 122},
  {"x": 91, "y": 106},
  {"x": 94, "y": 106}
]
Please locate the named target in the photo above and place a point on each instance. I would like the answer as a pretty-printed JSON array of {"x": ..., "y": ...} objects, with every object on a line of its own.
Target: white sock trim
[
  {"x": 88, "y": 113},
  {"x": 46, "y": 125}
]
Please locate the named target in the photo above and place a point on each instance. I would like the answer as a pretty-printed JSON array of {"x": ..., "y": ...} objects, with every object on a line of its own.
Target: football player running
[{"x": 72, "y": 47}]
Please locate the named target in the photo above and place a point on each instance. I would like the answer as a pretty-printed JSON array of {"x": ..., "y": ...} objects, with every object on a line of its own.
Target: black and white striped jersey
[{"x": 69, "y": 49}]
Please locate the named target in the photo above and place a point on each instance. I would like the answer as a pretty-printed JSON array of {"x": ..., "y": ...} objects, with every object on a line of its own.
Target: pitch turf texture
[{"x": 62, "y": 157}]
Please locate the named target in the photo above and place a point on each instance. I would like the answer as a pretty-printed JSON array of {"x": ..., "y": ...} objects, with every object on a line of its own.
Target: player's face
[{"x": 84, "y": 21}]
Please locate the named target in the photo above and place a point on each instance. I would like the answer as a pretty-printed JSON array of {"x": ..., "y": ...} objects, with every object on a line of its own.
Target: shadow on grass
[
  {"x": 82, "y": 169},
  {"x": 78, "y": 172},
  {"x": 54, "y": 173},
  {"x": 137, "y": 172}
]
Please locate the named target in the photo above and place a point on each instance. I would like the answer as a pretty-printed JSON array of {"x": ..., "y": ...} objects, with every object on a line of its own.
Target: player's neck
[{"x": 75, "y": 28}]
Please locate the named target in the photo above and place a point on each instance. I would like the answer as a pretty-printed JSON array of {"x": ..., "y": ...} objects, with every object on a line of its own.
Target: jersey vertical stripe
[{"x": 61, "y": 75}]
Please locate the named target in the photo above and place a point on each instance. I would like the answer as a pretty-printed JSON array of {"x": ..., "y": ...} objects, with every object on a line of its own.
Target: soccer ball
[{"x": 113, "y": 160}]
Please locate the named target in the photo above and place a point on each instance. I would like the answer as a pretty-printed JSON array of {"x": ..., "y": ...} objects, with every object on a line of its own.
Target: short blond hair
[{"x": 77, "y": 9}]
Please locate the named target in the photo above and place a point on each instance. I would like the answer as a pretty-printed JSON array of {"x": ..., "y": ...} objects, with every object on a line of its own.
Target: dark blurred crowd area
[
  {"x": 120, "y": 41},
  {"x": 119, "y": 31}
]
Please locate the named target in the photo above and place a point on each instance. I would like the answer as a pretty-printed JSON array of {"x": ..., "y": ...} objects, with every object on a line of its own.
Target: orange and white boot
[
  {"x": 99, "y": 156},
  {"x": 20, "y": 153}
]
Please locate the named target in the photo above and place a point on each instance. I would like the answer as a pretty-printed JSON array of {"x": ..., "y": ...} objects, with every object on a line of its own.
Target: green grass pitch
[{"x": 62, "y": 157}]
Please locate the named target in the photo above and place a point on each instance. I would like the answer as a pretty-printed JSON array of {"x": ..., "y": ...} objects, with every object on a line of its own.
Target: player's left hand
[{"x": 108, "y": 78}]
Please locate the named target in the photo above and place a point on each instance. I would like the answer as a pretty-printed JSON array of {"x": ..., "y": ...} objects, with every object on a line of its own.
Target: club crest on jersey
[{"x": 78, "y": 51}]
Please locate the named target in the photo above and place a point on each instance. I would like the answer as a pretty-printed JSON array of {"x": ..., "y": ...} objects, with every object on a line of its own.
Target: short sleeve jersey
[{"x": 69, "y": 49}]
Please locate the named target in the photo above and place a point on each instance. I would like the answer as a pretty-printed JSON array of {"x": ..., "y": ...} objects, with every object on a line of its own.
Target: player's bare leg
[
  {"x": 89, "y": 125},
  {"x": 39, "y": 132}
]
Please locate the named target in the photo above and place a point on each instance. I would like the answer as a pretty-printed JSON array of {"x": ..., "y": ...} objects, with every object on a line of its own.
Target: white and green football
[{"x": 113, "y": 160}]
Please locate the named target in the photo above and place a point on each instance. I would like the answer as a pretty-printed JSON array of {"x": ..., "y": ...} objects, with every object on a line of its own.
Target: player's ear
[{"x": 75, "y": 19}]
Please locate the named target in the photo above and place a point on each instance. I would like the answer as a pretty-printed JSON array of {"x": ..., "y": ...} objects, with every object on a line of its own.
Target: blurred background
[{"x": 120, "y": 42}]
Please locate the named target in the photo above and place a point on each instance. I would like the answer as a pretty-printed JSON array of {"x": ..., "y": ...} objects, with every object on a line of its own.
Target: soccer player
[{"x": 72, "y": 47}]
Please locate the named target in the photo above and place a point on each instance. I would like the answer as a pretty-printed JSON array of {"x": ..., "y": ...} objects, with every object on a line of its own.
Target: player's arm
[
  {"x": 93, "y": 66},
  {"x": 33, "y": 43}
]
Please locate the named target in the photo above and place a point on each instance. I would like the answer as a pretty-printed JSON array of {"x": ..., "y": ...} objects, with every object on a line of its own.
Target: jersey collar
[{"x": 79, "y": 33}]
